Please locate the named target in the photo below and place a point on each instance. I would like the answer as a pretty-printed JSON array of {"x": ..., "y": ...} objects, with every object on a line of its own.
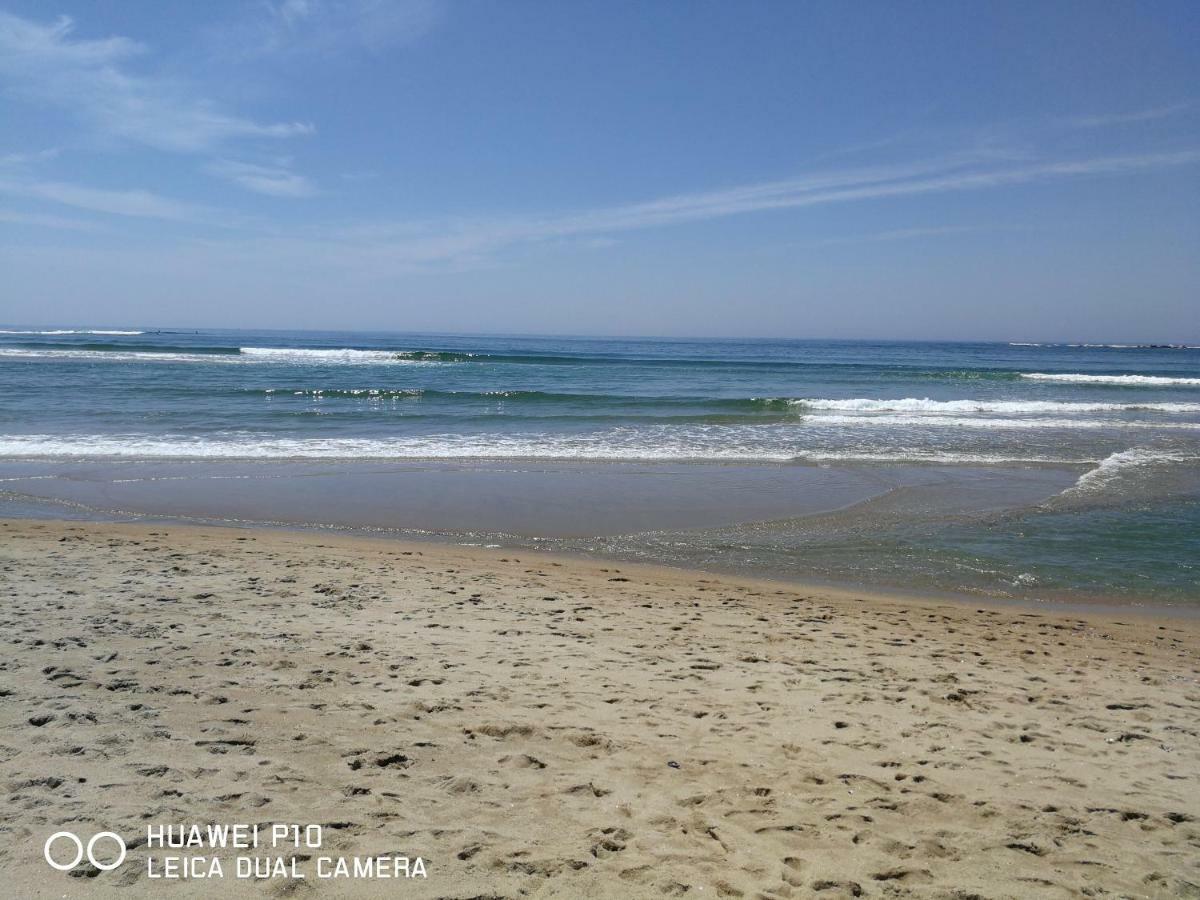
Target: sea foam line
[
  {"x": 72, "y": 331},
  {"x": 1108, "y": 346},
  {"x": 966, "y": 422},
  {"x": 111, "y": 355},
  {"x": 599, "y": 448},
  {"x": 926, "y": 405},
  {"x": 247, "y": 355},
  {"x": 331, "y": 354},
  {"x": 346, "y": 354},
  {"x": 1079, "y": 378}
]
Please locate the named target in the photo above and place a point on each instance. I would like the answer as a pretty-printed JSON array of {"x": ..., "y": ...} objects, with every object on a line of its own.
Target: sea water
[{"x": 1023, "y": 469}]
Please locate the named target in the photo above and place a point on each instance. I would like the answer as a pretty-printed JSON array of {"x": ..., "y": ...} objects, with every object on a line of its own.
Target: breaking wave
[
  {"x": 1133, "y": 380},
  {"x": 914, "y": 405},
  {"x": 696, "y": 444},
  {"x": 1123, "y": 463},
  {"x": 71, "y": 331},
  {"x": 348, "y": 355}
]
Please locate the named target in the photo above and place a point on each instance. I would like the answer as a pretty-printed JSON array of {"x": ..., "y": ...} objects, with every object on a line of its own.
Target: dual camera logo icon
[{"x": 81, "y": 851}]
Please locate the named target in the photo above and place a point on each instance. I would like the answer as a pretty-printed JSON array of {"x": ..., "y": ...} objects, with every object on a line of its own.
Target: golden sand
[{"x": 532, "y": 726}]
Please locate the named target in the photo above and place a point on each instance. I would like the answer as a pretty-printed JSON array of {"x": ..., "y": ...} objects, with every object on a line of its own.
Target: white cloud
[
  {"x": 275, "y": 180},
  {"x": 1125, "y": 118},
  {"x": 388, "y": 246},
  {"x": 15, "y": 160},
  {"x": 385, "y": 249},
  {"x": 38, "y": 220},
  {"x": 297, "y": 27},
  {"x": 45, "y": 63},
  {"x": 423, "y": 242},
  {"x": 134, "y": 203},
  {"x": 900, "y": 234},
  {"x": 258, "y": 257}
]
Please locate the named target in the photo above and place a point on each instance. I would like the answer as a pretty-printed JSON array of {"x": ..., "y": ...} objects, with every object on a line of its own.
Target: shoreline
[
  {"x": 1039, "y": 536},
  {"x": 416, "y": 539},
  {"x": 538, "y": 726}
]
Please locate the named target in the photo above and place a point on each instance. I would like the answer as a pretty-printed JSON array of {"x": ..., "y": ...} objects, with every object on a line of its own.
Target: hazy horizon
[
  {"x": 1003, "y": 172},
  {"x": 131, "y": 329}
]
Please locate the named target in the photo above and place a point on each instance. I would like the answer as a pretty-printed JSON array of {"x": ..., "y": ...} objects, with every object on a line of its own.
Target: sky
[{"x": 923, "y": 170}]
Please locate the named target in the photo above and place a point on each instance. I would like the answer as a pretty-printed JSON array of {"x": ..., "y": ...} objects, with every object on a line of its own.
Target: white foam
[
  {"x": 1011, "y": 407},
  {"x": 333, "y": 355},
  {"x": 321, "y": 354},
  {"x": 614, "y": 445},
  {"x": 73, "y": 331},
  {"x": 1108, "y": 346},
  {"x": 937, "y": 457},
  {"x": 248, "y": 355},
  {"x": 431, "y": 447},
  {"x": 113, "y": 355},
  {"x": 1076, "y": 378},
  {"x": 927, "y": 421},
  {"x": 1135, "y": 346},
  {"x": 1121, "y": 463}
]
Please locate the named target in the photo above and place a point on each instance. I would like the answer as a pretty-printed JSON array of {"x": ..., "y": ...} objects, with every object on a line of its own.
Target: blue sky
[{"x": 947, "y": 170}]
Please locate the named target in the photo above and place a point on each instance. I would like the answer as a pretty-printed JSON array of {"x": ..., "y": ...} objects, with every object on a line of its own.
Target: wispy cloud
[
  {"x": 420, "y": 242},
  {"x": 92, "y": 79},
  {"x": 900, "y": 234},
  {"x": 379, "y": 252},
  {"x": 15, "y": 160},
  {"x": 415, "y": 243},
  {"x": 273, "y": 180},
  {"x": 19, "y": 178},
  {"x": 40, "y": 220},
  {"x": 402, "y": 245},
  {"x": 131, "y": 203},
  {"x": 327, "y": 27},
  {"x": 1104, "y": 120}
]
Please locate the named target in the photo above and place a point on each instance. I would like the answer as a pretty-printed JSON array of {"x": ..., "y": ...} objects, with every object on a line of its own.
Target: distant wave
[
  {"x": 113, "y": 355},
  {"x": 346, "y": 354},
  {"x": 131, "y": 352},
  {"x": 127, "y": 348},
  {"x": 727, "y": 404},
  {"x": 541, "y": 359},
  {"x": 72, "y": 331},
  {"x": 186, "y": 353},
  {"x": 531, "y": 398},
  {"x": 181, "y": 351},
  {"x": 747, "y": 405},
  {"x": 1108, "y": 346},
  {"x": 335, "y": 355},
  {"x": 1076, "y": 378}
]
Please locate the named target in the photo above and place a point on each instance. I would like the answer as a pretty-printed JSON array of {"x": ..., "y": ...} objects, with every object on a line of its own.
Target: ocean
[{"x": 1038, "y": 471}]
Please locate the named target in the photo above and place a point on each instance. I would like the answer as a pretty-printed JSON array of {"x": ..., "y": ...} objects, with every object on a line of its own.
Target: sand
[{"x": 532, "y": 726}]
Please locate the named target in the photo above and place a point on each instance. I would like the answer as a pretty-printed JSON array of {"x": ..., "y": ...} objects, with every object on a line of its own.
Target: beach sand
[{"x": 533, "y": 726}]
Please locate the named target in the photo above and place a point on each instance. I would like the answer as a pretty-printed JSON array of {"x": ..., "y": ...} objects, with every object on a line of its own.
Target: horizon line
[{"x": 1096, "y": 343}]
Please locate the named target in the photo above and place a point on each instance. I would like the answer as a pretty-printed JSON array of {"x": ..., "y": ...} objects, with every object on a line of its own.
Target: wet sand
[{"x": 533, "y": 726}]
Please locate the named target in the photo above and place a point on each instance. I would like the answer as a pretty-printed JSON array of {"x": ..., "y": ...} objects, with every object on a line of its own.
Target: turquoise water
[
  {"x": 1120, "y": 425},
  {"x": 1146, "y": 553}
]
